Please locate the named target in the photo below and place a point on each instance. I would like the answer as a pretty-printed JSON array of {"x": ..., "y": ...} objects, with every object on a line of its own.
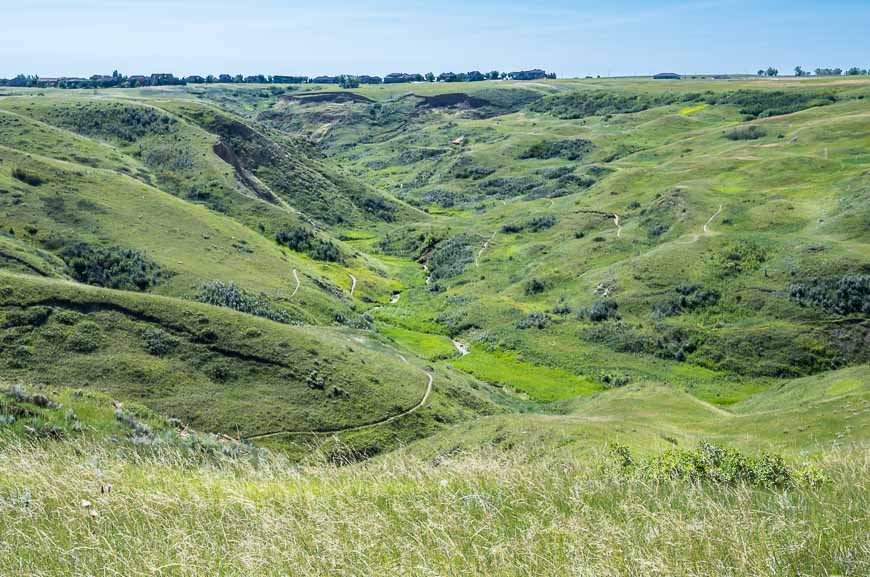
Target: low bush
[
  {"x": 303, "y": 239},
  {"x": 738, "y": 257},
  {"x": 573, "y": 149},
  {"x": 534, "y": 286},
  {"x": 601, "y": 311},
  {"x": 87, "y": 337},
  {"x": 689, "y": 297},
  {"x": 535, "y": 320},
  {"x": 746, "y": 133},
  {"x": 539, "y": 223},
  {"x": 27, "y": 177},
  {"x": 843, "y": 296},
  {"x": 230, "y": 295},
  {"x": 112, "y": 267},
  {"x": 710, "y": 463},
  {"x": 450, "y": 258},
  {"x": 158, "y": 342}
]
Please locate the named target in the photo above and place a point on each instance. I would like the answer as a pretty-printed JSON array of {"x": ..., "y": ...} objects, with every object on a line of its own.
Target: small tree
[
  {"x": 771, "y": 71},
  {"x": 430, "y": 77},
  {"x": 798, "y": 71}
]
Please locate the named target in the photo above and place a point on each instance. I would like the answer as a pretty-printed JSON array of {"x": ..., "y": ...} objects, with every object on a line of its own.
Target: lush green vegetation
[{"x": 566, "y": 305}]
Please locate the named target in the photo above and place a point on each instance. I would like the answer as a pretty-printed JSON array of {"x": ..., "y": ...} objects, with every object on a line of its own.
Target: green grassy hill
[{"x": 701, "y": 243}]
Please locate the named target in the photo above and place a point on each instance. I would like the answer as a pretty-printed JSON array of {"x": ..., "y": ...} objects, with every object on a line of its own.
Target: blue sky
[{"x": 572, "y": 38}]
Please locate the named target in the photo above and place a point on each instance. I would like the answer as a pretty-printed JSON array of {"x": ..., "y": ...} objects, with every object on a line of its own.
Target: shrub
[
  {"x": 512, "y": 228},
  {"x": 87, "y": 337},
  {"x": 601, "y": 311},
  {"x": 231, "y": 296},
  {"x": 689, "y": 297},
  {"x": 738, "y": 257},
  {"x": 573, "y": 149},
  {"x": 599, "y": 103},
  {"x": 746, "y": 133},
  {"x": 764, "y": 103},
  {"x": 534, "y": 286},
  {"x": 158, "y": 342},
  {"x": 450, "y": 258},
  {"x": 540, "y": 223},
  {"x": 112, "y": 267},
  {"x": 714, "y": 464},
  {"x": 28, "y": 317},
  {"x": 303, "y": 239},
  {"x": 464, "y": 168},
  {"x": 843, "y": 296},
  {"x": 27, "y": 177},
  {"x": 535, "y": 320}
]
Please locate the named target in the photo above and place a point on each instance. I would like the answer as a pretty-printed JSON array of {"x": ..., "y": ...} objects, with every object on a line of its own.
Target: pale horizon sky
[{"x": 571, "y": 38}]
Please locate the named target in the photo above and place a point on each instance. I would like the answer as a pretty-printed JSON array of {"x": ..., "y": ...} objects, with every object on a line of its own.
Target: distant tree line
[
  {"x": 799, "y": 71},
  {"x": 118, "y": 80}
]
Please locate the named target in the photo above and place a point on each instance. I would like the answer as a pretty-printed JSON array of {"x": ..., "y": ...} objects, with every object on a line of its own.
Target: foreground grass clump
[{"x": 481, "y": 514}]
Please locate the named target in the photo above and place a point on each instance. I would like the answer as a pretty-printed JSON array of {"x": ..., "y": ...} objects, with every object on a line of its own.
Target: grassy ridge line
[{"x": 649, "y": 417}]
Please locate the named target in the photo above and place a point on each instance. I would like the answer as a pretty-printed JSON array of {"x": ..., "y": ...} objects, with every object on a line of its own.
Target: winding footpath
[
  {"x": 352, "y": 283},
  {"x": 616, "y": 222},
  {"x": 295, "y": 276},
  {"x": 382, "y": 421}
]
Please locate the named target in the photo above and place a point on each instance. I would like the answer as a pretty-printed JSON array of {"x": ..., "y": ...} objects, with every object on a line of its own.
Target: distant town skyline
[{"x": 54, "y": 38}]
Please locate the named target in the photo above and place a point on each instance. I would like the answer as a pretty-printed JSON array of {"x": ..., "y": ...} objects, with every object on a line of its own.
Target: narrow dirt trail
[
  {"x": 483, "y": 248},
  {"x": 706, "y": 228},
  {"x": 395, "y": 298},
  {"x": 376, "y": 423},
  {"x": 709, "y": 220},
  {"x": 295, "y": 276},
  {"x": 352, "y": 283},
  {"x": 616, "y": 222}
]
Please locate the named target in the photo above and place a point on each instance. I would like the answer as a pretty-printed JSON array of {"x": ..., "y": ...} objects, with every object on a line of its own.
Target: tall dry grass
[{"x": 484, "y": 514}]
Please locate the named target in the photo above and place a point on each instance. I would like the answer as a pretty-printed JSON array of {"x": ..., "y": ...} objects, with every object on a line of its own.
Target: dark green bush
[
  {"x": 746, "y": 133},
  {"x": 534, "y": 286},
  {"x": 451, "y": 257},
  {"x": 303, "y": 239},
  {"x": 229, "y": 295},
  {"x": 763, "y": 103},
  {"x": 112, "y": 267},
  {"x": 572, "y": 149},
  {"x": 535, "y": 320},
  {"x": 843, "y": 296},
  {"x": 690, "y": 297},
  {"x": 539, "y": 223},
  {"x": 601, "y": 311},
  {"x": 27, "y": 177}
]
